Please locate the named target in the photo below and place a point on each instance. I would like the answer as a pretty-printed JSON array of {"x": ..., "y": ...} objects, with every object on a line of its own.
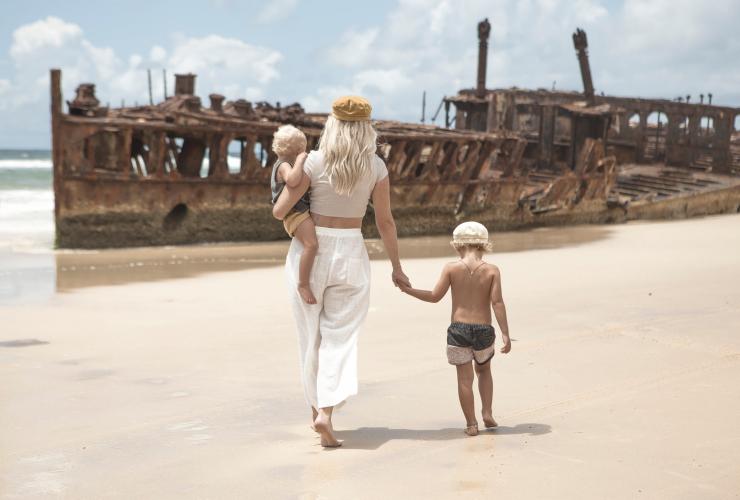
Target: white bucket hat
[{"x": 470, "y": 233}]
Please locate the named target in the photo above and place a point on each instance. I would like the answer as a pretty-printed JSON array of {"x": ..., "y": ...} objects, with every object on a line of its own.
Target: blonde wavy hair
[
  {"x": 348, "y": 148},
  {"x": 288, "y": 140}
]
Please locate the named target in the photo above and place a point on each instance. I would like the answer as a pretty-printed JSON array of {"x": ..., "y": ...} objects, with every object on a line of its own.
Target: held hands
[
  {"x": 400, "y": 280},
  {"x": 507, "y": 344}
]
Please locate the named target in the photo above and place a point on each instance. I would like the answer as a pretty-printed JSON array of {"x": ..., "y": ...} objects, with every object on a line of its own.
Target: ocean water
[
  {"x": 27, "y": 265},
  {"x": 26, "y": 200},
  {"x": 30, "y": 267}
]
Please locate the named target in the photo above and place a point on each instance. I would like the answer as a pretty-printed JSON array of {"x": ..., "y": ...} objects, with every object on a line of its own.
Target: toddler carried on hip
[{"x": 289, "y": 144}]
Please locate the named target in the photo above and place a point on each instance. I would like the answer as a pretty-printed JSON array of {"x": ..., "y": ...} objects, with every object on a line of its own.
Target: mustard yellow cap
[{"x": 351, "y": 108}]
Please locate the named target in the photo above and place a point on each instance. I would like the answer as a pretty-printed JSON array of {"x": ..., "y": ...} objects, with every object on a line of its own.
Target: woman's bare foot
[
  {"x": 323, "y": 426},
  {"x": 304, "y": 290},
  {"x": 472, "y": 430},
  {"x": 488, "y": 421}
]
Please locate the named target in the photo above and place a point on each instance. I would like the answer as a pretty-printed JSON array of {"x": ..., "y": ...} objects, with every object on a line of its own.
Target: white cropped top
[{"x": 326, "y": 201}]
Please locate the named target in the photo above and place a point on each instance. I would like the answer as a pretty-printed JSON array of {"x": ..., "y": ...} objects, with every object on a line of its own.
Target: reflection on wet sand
[{"x": 78, "y": 269}]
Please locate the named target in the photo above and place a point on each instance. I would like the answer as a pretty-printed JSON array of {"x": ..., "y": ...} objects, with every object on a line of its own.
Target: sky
[{"x": 387, "y": 50}]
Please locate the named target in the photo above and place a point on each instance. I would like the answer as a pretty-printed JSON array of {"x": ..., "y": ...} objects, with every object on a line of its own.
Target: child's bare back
[
  {"x": 476, "y": 289},
  {"x": 471, "y": 287}
]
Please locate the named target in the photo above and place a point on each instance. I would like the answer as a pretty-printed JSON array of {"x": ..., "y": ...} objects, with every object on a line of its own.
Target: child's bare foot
[
  {"x": 472, "y": 430},
  {"x": 488, "y": 421},
  {"x": 306, "y": 294},
  {"x": 324, "y": 428}
]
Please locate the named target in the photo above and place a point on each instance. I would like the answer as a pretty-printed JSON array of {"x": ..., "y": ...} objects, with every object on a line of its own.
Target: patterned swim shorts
[{"x": 467, "y": 341}]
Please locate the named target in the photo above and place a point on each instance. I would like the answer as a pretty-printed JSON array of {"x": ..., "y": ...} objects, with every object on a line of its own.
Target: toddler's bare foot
[
  {"x": 488, "y": 421},
  {"x": 306, "y": 294},
  {"x": 472, "y": 430}
]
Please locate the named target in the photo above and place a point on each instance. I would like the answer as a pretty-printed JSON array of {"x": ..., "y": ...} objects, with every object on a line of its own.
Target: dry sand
[{"x": 623, "y": 382}]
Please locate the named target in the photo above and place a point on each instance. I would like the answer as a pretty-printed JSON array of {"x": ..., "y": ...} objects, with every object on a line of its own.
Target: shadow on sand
[{"x": 372, "y": 438}]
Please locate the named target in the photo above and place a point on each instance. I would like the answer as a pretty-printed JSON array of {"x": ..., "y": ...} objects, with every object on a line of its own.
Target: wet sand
[
  {"x": 33, "y": 274},
  {"x": 623, "y": 382},
  {"x": 78, "y": 268}
]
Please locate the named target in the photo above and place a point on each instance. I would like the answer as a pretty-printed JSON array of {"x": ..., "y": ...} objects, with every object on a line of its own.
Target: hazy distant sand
[{"x": 623, "y": 382}]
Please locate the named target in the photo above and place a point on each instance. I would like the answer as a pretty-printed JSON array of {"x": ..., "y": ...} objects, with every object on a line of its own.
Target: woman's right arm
[
  {"x": 387, "y": 229},
  {"x": 289, "y": 197}
]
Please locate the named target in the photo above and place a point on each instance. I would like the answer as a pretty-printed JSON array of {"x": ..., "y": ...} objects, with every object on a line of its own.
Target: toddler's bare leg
[
  {"x": 306, "y": 234},
  {"x": 465, "y": 393},
  {"x": 485, "y": 387}
]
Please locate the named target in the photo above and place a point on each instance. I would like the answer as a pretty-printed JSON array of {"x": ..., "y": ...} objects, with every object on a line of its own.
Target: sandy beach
[{"x": 623, "y": 380}]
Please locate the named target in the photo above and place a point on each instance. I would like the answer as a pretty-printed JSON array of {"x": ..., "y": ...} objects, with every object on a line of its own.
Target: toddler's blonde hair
[
  {"x": 481, "y": 247},
  {"x": 288, "y": 140}
]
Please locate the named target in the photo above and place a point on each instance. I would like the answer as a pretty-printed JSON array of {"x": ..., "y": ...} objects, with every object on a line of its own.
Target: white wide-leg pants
[{"x": 328, "y": 330}]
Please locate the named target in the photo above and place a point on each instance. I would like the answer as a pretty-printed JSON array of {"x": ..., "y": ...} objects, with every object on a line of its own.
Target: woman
[{"x": 343, "y": 175}]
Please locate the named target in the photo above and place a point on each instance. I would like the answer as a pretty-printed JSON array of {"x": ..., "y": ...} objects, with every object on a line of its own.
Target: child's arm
[
  {"x": 499, "y": 309},
  {"x": 294, "y": 174},
  {"x": 436, "y": 294}
]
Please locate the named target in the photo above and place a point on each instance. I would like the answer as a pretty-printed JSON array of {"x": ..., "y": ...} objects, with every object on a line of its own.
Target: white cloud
[
  {"x": 221, "y": 63},
  {"x": 215, "y": 58},
  {"x": 49, "y": 32},
  {"x": 420, "y": 46},
  {"x": 353, "y": 49},
  {"x": 135, "y": 60},
  {"x": 275, "y": 10},
  {"x": 684, "y": 24},
  {"x": 105, "y": 62},
  {"x": 384, "y": 80},
  {"x": 374, "y": 82},
  {"x": 657, "y": 48},
  {"x": 588, "y": 11},
  {"x": 5, "y": 88},
  {"x": 157, "y": 54},
  {"x": 438, "y": 17},
  {"x": 253, "y": 93},
  {"x": 320, "y": 100}
]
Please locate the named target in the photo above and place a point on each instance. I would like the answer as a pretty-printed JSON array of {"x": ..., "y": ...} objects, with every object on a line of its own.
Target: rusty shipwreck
[{"x": 181, "y": 172}]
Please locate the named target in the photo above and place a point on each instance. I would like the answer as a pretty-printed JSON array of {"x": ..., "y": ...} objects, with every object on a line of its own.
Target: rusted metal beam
[
  {"x": 580, "y": 42},
  {"x": 484, "y": 31},
  {"x": 55, "y": 88}
]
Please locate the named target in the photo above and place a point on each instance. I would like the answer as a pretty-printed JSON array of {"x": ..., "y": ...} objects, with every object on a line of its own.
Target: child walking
[
  {"x": 289, "y": 144},
  {"x": 476, "y": 289}
]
